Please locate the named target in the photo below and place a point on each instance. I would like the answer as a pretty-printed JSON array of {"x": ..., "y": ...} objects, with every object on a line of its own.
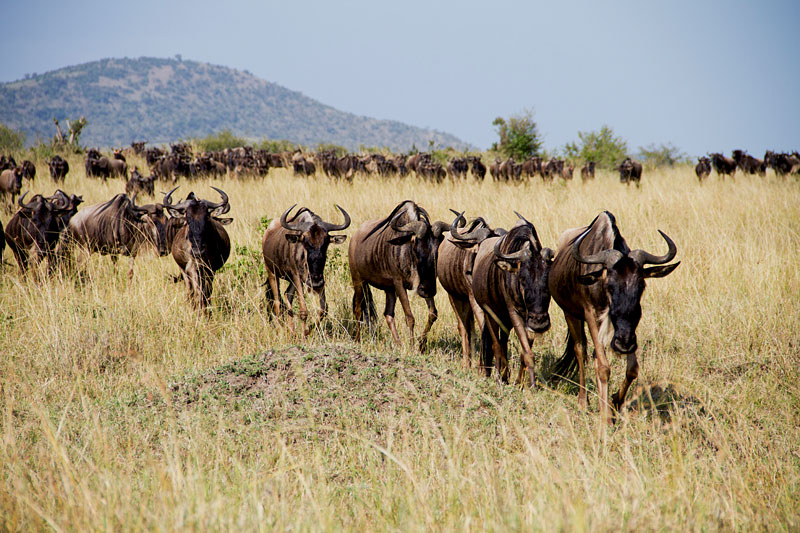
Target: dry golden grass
[{"x": 120, "y": 408}]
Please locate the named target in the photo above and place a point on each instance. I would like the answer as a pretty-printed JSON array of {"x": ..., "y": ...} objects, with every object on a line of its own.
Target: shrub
[
  {"x": 11, "y": 140},
  {"x": 602, "y": 147},
  {"x": 219, "y": 141},
  {"x": 519, "y": 136},
  {"x": 663, "y": 155}
]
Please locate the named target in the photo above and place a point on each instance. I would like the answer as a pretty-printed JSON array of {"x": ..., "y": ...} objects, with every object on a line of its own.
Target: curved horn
[
  {"x": 606, "y": 258},
  {"x": 286, "y": 224},
  {"x": 416, "y": 227},
  {"x": 338, "y": 227},
  {"x": 222, "y": 207},
  {"x": 23, "y": 204},
  {"x": 458, "y": 222},
  {"x": 520, "y": 255},
  {"x": 646, "y": 258},
  {"x": 472, "y": 234},
  {"x": 60, "y": 199},
  {"x": 438, "y": 228},
  {"x": 168, "y": 197}
]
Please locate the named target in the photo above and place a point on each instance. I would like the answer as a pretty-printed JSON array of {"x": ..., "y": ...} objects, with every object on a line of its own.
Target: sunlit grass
[{"x": 122, "y": 409}]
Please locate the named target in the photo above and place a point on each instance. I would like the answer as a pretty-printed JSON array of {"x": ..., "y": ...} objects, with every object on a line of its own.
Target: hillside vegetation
[
  {"x": 160, "y": 100},
  {"x": 120, "y": 408}
]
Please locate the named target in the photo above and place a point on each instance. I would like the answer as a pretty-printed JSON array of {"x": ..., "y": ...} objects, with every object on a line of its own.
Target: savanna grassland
[{"x": 122, "y": 409}]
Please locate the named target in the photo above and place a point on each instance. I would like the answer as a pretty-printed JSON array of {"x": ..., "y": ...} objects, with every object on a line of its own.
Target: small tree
[
  {"x": 219, "y": 141},
  {"x": 664, "y": 155},
  {"x": 519, "y": 136},
  {"x": 602, "y": 147},
  {"x": 11, "y": 140}
]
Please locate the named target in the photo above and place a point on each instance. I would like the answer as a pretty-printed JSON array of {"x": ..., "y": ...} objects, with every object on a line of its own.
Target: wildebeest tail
[
  {"x": 367, "y": 305},
  {"x": 487, "y": 350},
  {"x": 567, "y": 365}
]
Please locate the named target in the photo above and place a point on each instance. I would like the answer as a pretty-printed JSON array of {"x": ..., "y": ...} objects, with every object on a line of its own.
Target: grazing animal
[
  {"x": 723, "y": 165},
  {"x": 478, "y": 168},
  {"x": 116, "y": 227},
  {"x": 703, "y": 168},
  {"x": 58, "y": 168},
  {"x": 10, "y": 185},
  {"x": 566, "y": 171},
  {"x": 458, "y": 167},
  {"x": 296, "y": 250},
  {"x": 749, "y": 164},
  {"x": 782, "y": 163},
  {"x": 140, "y": 184},
  {"x": 587, "y": 171},
  {"x": 596, "y": 279},
  {"x": 28, "y": 170},
  {"x": 454, "y": 271},
  {"x": 630, "y": 171},
  {"x": 531, "y": 167},
  {"x": 394, "y": 255},
  {"x": 201, "y": 246},
  {"x": 509, "y": 281},
  {"x": 34, "y": 230}
]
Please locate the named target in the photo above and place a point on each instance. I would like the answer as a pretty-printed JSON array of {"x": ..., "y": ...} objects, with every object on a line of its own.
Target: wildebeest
[
  {"x": 587, "y": 171},
  {"x": 630, "y": 171},
  {"x": 116, "y": 227},
  {"x": 201, "y": 246},
  {"x": 394, "y": 255},
  {"x": 10, "y": 185},
  {"x": 34, "y": 230},
  {"x": 97, "y": 165},
  {"x": 749, "y": 164},
  {"x": 454, "y": 271},
  {"x": 510, "y": 170},
  {"x": 138, "y": 147},
  {"x": 296, "y": 250},
  {"x": 598, "y": 280},
  {"x": 478, "y": 168},
  {"x": 552, "y": 168},
  {"x": 138, "y": 183},
  {"x": 703, "y": 168},
  {"x": 458, "y": 167},
  {"x": 28, "y": 170},
  {"x": 58, "y": 168},
  {"x": 782, "y": 163},
  {"x": 723, "y": 165},
  {"x": 7, "y": 162},
  {"x": 509, "y": 281},
  {"x": 566, "y": 171},
  {"x": 303, "y": 166},
  {"x": 531, "y": 167},
  {"x": 431, "y": 170},
  {"x": 2, "y": 241}
]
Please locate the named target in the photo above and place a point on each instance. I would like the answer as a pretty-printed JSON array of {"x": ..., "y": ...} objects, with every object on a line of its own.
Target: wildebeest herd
[{"x": 500, "y": 280}]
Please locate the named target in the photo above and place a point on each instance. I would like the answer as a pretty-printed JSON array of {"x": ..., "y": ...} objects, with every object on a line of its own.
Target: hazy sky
[{"x": 706, "y": 76}]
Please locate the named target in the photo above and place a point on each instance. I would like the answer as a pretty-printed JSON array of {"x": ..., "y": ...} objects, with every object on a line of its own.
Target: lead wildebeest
[
  {"x": 630, "y": 170},
  {"x": 454, "y": 271},
  {"x": 723, "y": 165},
  {"x": 598, "y": 280},
  {"x": 10, "y": 185},
  {"x": 34, "y": 230},
  {"x": 201, "y": 246},
  {"x": 58, "y": 168},
  {"x": 703, "y": 168},
  {"x": 510, "y": 284},
  {"x": 116, "y": 227},
  {"x": 296, "y": 250},
  {"x": 394, "y": 255}
]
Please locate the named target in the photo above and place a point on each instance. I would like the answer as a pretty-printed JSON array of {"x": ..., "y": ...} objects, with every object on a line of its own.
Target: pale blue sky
[{"x": 706, "y": 76}]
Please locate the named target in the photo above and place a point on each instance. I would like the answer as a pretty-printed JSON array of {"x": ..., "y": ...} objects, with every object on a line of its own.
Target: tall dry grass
[{"x": 122, "y": 409}]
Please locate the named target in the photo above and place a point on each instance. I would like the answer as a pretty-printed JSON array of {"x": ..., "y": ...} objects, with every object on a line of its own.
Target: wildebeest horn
[
  {"x": 605, "y": 257},
  {"x": 338, "y": 227},
  {"x": 438, "y": 228},
  {"x": 286, "y": 224},
  {"x": 23, "y": 204},
  {"x": 521, "y": 255},
  {"x": 168, "y": 197},
  {"x": 60, "y": 199},
  {"x": 222, "y": 207},
  {"x": 417, "y": 227},
  {"x": 472, "y": 234},
  {"x": 646, "y": 258}
]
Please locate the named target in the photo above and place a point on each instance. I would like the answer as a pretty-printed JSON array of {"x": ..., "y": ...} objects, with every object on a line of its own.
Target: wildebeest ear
[
  {"x": 508, "y": 266},
  {"x": 660, "y": 271},
  {"x": 402, "y": 239},
  {"x": 592, "y": 277},
  {"x": 338, "y": 239},
  {"x": 293, "y": 237},
  {"x": 223, "y": 221}
]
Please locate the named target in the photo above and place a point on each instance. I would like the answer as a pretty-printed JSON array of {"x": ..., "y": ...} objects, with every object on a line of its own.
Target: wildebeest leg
[
  {"x": 290, "y": 290},
  {"x": 388, "y": 314},
  {"x": 602, "y": 370},
  {"x": 130, "y": 269},
  {"x": 578, "y": 335},
  {"x": 498, "y": 350},
  {"x": 631, "y": 373},
  {"x": 527, "y": 361},
  {"x": 458, "y": 307},
  {"x": 273, "y": 292},
  {"x": 401, "y": 293},
  {"x": 323, "y": 304},
  {"x": 301, "y": 298},
  {"x": 432, "y": 316},
  {"x": 358, "y": 308},
  {"x": 21, "y": 255}
]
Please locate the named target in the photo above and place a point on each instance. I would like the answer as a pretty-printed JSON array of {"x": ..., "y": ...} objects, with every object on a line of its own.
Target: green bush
[
  {"x": 11, "y": 140},
  {"x": 219, "y": 141},
  {"x": 519, "y": 136},
  {"x": 663, "y": 155},
  {"x": 603, "y": 147},
  {"x": 281, "y": 145}
]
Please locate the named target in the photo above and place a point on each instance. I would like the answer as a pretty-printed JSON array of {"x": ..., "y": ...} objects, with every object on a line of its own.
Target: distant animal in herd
[
  {"x": 396, "y": 254},
  {"x": 630, "y": 171},
  {"x": 703, "y": 168},
  {"x": 723, "y": 166},
  {"x": 59, "y": 168},
  {"x": 587, "y": 171},
  {"x": 296, "y": 249},
  {"x": 201, "y": 246},
  {"x": 598, "y": 281}
]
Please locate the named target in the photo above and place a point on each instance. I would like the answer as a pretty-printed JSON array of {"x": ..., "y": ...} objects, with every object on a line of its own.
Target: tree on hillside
[
  {"x": 602, "y": 147},
  {"x": 663, "y": 155},
  {"x": 519, "y": 136}
]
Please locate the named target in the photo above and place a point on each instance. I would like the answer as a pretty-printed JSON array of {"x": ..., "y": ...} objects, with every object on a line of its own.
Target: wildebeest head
[
  {"x": 198, "y": 214},
  {"x": 66, "y": 205},
  {"x": 44, "y": 214},
  {"x": 623, "y": 275},
  {"x": 527, "y": 265},
  {"x": 312, "y": 235}
]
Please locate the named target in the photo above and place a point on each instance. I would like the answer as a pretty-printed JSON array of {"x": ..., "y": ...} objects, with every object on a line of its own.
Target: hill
[{"x": 161, "y": 100}]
